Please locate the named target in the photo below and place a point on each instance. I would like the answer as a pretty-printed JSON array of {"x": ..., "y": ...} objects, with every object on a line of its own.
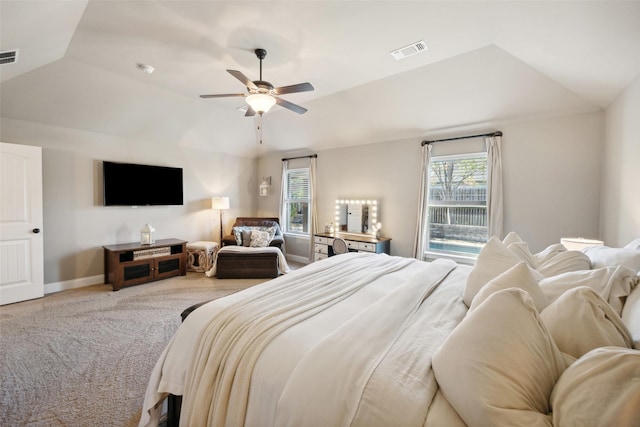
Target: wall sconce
[
  {"x": 264, "y": 186},
  {"x": 147, "y": 235}
]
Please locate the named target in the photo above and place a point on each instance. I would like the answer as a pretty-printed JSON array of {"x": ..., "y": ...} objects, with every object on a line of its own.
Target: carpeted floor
[{"x": 83, "y": 357}]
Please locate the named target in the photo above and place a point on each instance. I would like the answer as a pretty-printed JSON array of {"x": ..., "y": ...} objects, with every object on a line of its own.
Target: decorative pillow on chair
[
  {"x": 237, "y": 233},
  {"x": 500, "y": 364},
  {"x": 260, "y": 239},
  {"x": 602, "y": 388},
  {"x": 581, "y": 320},
  {"x": 246, "y": 238}
]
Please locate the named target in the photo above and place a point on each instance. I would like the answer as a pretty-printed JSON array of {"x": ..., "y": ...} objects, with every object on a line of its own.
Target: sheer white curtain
[
  {"x": 495, "y": 210},
  {"x": 420, "y": 244},
  {"x": 283, "y": 196},
  {"x": 312, "y": 200}
]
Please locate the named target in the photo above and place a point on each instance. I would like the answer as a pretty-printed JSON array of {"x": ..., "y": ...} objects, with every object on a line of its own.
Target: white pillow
[
  {"x": 581, "y": 320},
  {"x": 499, "y": 365},
  {"x": 634, "y": 244},
  {"x": 564, "y": 262},
  {"x": 603, "y": 256},
  {"x": 512, "y": 237},
  {"x": 612, "y": 283},
  {"x": 548, "y": 253},
  {"x": 494, "y": 259},
  {"x": 520, "y": 276},
  {"x": 602, "y": 388},
  {"x": 521, "y": 250},
  {"x": 631, "y": 316}
]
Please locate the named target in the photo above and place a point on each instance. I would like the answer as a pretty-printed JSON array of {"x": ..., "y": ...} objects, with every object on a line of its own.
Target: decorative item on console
[
  {"x": 356, "y": 216},
  {"x": 147, "y": 235}
]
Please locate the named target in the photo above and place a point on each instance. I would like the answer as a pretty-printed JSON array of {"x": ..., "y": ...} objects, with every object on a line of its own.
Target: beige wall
[
  {"x": 620, "y": 202},
  {"x": 76, "y": 225},
  {"x": 551, "y": 181}
]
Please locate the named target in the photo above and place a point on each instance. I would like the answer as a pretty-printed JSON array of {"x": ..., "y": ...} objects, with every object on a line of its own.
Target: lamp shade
[
  {"x": 260, "y": 102},
  {"x": 219, "y": 203}
]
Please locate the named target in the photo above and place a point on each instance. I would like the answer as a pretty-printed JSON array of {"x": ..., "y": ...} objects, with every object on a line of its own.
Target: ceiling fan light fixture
[{"x": 260, "y": 102}]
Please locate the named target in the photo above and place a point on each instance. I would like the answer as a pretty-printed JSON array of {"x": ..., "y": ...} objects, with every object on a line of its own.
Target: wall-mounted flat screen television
[{"x": 127, "y": 184}]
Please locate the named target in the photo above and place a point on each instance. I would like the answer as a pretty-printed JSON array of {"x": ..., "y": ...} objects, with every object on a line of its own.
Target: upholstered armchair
[{"x": 278, "y": 238}]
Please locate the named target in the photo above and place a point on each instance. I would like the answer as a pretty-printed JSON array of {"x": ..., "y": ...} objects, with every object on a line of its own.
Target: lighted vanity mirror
[{"x": 357, "y": 216}]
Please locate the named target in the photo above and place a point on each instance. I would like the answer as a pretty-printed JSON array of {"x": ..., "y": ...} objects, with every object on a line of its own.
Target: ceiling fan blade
[
  {"x": 244, "y": 79},
  {"x": 290, "y": 106},
  {"x": 222, "y": 95},
  {"x": 300, "y": 87},
  {"x": 250, "y": 112}
]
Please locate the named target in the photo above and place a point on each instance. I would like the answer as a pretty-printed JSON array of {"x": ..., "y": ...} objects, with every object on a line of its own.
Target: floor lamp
[{"x": 220, "y": 203}]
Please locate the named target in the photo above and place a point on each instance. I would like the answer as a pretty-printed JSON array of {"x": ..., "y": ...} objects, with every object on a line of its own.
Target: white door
[{"x": 21, "y": 243}]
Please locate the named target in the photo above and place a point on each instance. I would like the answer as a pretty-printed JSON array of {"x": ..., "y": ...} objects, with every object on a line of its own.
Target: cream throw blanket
[{"x": 218, "y": 380}]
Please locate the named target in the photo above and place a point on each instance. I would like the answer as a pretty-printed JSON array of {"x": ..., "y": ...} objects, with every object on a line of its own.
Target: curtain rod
[
  {"x": 312, "y": 156},
  {"x": 498, "y": 133}
]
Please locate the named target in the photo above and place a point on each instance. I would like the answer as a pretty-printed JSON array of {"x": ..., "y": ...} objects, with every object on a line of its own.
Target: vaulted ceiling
[{"x": 486, "y": 63}]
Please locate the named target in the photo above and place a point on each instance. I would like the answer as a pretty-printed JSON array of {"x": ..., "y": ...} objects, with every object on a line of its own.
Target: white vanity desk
[{"x": 323, "y": 244}]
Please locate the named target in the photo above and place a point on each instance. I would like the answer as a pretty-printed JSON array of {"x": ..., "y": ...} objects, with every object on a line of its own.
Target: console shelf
[{"x": 132, "y": 263}]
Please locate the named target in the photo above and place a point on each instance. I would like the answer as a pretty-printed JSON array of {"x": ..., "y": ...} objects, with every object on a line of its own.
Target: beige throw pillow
[
  {"x": 494, "y": 259},
  {"x": 602, "y": 388},
  {"x": 521, "y": 276},
  {"x": 499, "y": 365},
  {"x": 581, "y": 320}
]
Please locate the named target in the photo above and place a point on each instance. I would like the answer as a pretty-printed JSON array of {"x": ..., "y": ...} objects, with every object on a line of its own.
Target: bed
[{"x": 377, "y": 340}]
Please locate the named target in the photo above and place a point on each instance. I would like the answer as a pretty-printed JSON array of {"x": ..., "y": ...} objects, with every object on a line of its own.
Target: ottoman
[
  {"x": 200, "y": 255},
  {"x": 243, "y": 265}
]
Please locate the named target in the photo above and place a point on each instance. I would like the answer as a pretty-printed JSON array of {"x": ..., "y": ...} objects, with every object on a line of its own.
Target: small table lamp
[{"x": 220, "y": 203}]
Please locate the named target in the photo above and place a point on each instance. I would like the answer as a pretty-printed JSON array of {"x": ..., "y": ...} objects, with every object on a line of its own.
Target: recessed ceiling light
[
  {"x": 412, "y": 49},
  {"x": 148, "y": 69}
]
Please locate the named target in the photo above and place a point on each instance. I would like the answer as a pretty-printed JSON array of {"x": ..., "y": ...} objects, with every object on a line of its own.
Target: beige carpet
[{"x": 83, "y": 357}]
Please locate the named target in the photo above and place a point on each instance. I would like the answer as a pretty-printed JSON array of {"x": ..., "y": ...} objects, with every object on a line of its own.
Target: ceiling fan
[{"x": 261, "y": 95}]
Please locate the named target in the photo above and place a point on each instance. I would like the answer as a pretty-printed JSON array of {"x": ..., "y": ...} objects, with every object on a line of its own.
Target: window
[
  {"x": 297, "y": 201},
  {"x": 457, "y": 199}
]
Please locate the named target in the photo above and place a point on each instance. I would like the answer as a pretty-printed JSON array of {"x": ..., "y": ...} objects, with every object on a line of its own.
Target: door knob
[{"x": 36, "y": 230}]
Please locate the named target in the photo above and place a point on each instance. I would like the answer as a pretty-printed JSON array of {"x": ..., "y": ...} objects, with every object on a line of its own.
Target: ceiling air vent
[
  {"x": 8, "y": 56},
  {"x": 412, "y": 49}
]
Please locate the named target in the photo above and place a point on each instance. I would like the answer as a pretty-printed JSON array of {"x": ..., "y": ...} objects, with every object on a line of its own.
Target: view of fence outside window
[
  {"x": 457, "y": 197},
  {"x": 297, "y": 201}
]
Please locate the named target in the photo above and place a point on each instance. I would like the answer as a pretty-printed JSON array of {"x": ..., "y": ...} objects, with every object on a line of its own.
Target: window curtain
[
  {"x": 495, "y": 210},
  {"x": 283, "y": 196},
  {"x": 420, "y": 244},
  {"x": 313, "y": 221}
]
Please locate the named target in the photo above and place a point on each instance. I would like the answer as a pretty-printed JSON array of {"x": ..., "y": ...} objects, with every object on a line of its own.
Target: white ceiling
[{"x": 487, "y": 63}]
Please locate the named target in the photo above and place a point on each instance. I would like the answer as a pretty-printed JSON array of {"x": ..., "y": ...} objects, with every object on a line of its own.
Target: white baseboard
[
  {"x": 298, "y": 258},
  {"x": 50, "y": 288}
]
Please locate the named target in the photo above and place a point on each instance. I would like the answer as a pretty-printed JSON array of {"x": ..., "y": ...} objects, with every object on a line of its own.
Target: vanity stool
[{"x": 200, "y": 255}]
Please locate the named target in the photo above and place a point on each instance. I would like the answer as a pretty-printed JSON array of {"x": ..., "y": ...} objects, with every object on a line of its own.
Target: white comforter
[{"x": 344, "y": 341}]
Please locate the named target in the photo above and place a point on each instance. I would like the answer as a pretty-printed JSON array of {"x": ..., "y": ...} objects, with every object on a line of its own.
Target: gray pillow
[{"x": 246, "y": 237}]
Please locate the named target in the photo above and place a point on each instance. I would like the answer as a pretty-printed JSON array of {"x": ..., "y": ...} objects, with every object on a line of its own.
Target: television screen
[{"x": 127, "y": 184}]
